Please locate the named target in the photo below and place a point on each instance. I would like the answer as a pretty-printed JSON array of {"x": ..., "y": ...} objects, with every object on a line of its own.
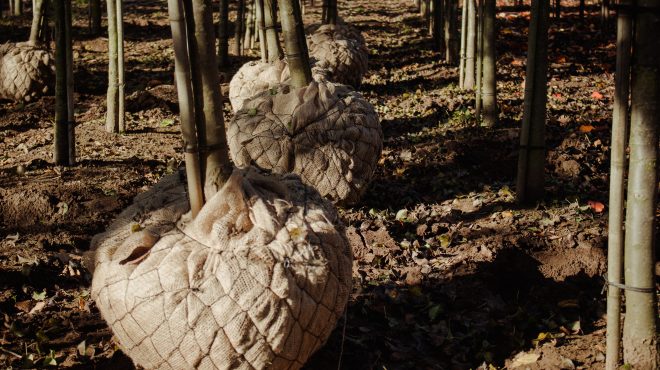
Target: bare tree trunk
[
  {"x": 461, "y": 67},
  {"x": 332, "y": 13},
  {"x": 451, "y": 41},
  {"x": 216, "y": 161},
  {"x": 223, "y": 36},
  {"x": 436, "y": 24},
  {"x": 531, "y": 158},
  {"x": 112, "y": 112},
  {"x": 261, "y": 25},
  {"x": 615, "y": 240},
  {"x": 18, "y": 7},
  {"x": 489, "y": 90},
  {"x": 480, "y": 57},
  {"x": 249, "y": 25},
  {"x": 640, "y": 336},
  {"x": 471, "y": 46},
  {"x": 37, "y": 19},
  {"x": 270, "y": 19},
  {"x": 238, "y": 28},
  {"x": 121, "y": 114},
  {"x": 61, "y": 140},
  {"x": 95, "y": 17},
  {"x": 71, "y": 121},
  {"x": 186, "y": 110},
  {"x": 295, "y": 43}
]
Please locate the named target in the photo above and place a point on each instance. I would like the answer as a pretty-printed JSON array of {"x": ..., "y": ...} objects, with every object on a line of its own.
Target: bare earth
[{"x": 449, "y": 273}]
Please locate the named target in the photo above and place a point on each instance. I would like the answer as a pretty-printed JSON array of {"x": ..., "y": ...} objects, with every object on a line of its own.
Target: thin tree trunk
[
  {"x": 71, "y": 122},
  {"x": 61, "y": 140},
  {"x": 223, "y": 36},
  {"x": 531, "y": 158},
  {"x": 37, "y": 18},
  {"x": 470, "y": 52},
  {"x": 295, "y": 43},
  {"x": 604, "y": 13},
  {"x": 331, "y": 17},
  {"x": 261, "y": 23},
  {"x": 121, "y": 114},
  {"x": 436, "y": 24},
  {"x": 217, "y": 165},
  {"x": 18, "y": 7},
  {"x": 461, "y": 67},
  {"x": 489, "y": 90},
  {"x": 238, "y": 28},
  {"x": 640, "y": 337},
  {"x": 249, "y": 25},
  {"x": 270, "y": 19},
  {"x": 615, "y": 240},
  {"x": 112, "y": 113},
  {"x": 186, "y": 111},
  {"x": 451, "y": 41},
  {"x": 480, "y": 57},
  {"x": 95, "y": 17}
]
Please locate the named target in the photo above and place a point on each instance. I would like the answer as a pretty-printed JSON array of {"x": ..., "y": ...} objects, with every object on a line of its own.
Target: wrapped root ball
[
  {"x": 253, "y": 78},
  {"x": 257, "y": 280},
  {"x": 324, "y": 132},
  {"x": 341, "y": 50},
  {"x": 26, "y": 71}
]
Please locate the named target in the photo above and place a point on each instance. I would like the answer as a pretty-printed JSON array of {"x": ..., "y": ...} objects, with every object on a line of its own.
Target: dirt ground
[{"x": 449, "y": 272}]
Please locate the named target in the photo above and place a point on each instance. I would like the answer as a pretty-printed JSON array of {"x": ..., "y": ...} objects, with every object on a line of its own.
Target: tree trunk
[
  {"x": 121, "y": 114},
  {"x": 216, "y": 153},
  {"x": 112, "y": 113},
  {"x": 37, "y": 20},
  {"x": 18, "y": 7},
  {"x": 71, "y": 122},
  {"x": 436, "y": 24},
  {"x": 261, "y": 25},
  {"x": 238, "y": 28},
  {"x": 223, "y": 35},
  {"x": 480, "y": 58},
  {"x": 61, "y": 140},
  {"x": 332, "y": 13},
  {"x": 295, "y": 43},
  {"x": 615, "y": 240},
  {"x": 186, "y": 110},
  {"x": 461, "y": 67},
  {"x": 640, "y": 338},
  {"x": 249, "y": 25},
  {"x": 95, "y": 17},
  {"x": 451, "y": 41},
  {"x": 531, "y": 158},
  {"x": 489, "y": 90},
  {"x": 270, "y": 19},
  {"x": 471, "y": 41}
]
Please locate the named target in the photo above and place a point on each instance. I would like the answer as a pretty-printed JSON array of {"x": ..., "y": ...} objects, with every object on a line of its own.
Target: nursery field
[{"x": 449, "y": 272}]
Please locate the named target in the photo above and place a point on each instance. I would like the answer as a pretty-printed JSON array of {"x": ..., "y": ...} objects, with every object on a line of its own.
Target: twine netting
[
  {"x": 340, "y": 49},
  {"x": 257, "y": 280},
  {"x": 26, "y": 71},
  {"x": 324, "y": 132}
]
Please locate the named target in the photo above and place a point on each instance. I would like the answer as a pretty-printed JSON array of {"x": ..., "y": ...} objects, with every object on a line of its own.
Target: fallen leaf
[
  {"x": 596, "y": 95},
  {"x": 523, "y": 358},
  {"x": 23, "y": 306},
  {"x": 595, "y": 206},
  {"x": 37, "y": 307},
  {"x": 586, "y": 128}
]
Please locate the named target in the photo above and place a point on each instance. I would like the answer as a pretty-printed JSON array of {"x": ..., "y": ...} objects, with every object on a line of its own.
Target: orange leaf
[
  {"x": 517, "y": 63},
  {"x": 596, "y": 95},
  {"x": 586, "y": 128},
  {"x": 597, "y": 207}
]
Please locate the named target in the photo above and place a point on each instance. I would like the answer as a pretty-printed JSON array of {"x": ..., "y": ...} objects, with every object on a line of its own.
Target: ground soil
[{"x": 449, "y": 272}]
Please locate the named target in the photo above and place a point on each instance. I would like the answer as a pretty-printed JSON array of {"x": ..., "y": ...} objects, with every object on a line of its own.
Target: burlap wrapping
[
  {"x": 341, "y": 50},
  {"x": 256, "y": 77},
  {"x": 257, "y": 280},
  {"x": 325, "y": 132},
  {"x": 26, "y": 71}
]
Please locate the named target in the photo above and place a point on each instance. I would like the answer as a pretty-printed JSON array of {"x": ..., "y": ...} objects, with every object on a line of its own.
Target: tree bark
[
  {"x": 121, "y": 114},
  {"x": 223, "y": 35},
  {"x": 112, "y": 97},
  {"x": 18, "y": 7},
  {"x": 186, "y": 109},
  {"x": 71, "y": 122},
  {"x": 332, "y": 14},
  {"x": 95, "y": 17},
  {"x": 461, "y": 67},
  {"x": 640, "y": 337},
  {"x": 238, "y": 28},
  {"x": 451, "y": 41},
  {"x": 295, "y": 43},
  {"x": 615, "y": 240},
  {"x": 480, "y": 58},
  {"x": 37, "y": 20},
  {"x": 216, "y": 153},
  {"x": 261, "y": 25},
  {"x": 249, "y": 25},
  {"x": 471, "y": 41},
  {"x": 531, "y": 158},
  {"x": 489, "y": 90},
  {"x": 436, "y": 24},
  {"x": 61, "y": 140},
  {"x": 272, "y": 38}
]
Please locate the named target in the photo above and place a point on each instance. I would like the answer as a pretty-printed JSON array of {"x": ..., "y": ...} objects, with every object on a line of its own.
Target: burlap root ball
[
  {"x": 26, "y": 71},
  {"x": 256, "y": 77},
  {"x": 258, "y": 280},
  {"x": 341, "y": 50},
  {"x": 324, "y": 132}
]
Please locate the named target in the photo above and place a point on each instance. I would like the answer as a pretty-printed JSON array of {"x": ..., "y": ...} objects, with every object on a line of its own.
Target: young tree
[
  {"x": 531, "y": 159},
  {"x": 249, "y": 25},
  {"x": 640, "y": 337},
  {"x": 470, "y": 46},
  {"x": 37, "y": 20},
  {"x": 461, "y": 66},
  {"x": 479, "y": 58},
  {"x": 489, "y": 89},
  {"x": 223, "y": 36},
  {"x": 436, "y": 24},
  {"x": 95, "y": 17},
  {"x": 63, "y": 138},
  {"x": 451, "y": 39},
  {"x": 114, "y": 120},
  {"x": 238, "y": 28},
  {"x": 272, "y": 38},
  {"x": 261, "y": 27},
  {"x": 295, "y": 43}
]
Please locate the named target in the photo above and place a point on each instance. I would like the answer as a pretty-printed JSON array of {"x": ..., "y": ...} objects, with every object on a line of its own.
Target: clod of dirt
[
  {"x": 258, "y": 279},
  {"x": 26, "y": 71},
  {"x": 324, "y": 132}
]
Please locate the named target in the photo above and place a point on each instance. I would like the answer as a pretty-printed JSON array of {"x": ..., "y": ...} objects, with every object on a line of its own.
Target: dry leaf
[
  {"x": 596, "y": 95},
  {"x": 523, "y": 359},
  {"x": 586, "y": 128},
  {"x": 597, "y": 207}
]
